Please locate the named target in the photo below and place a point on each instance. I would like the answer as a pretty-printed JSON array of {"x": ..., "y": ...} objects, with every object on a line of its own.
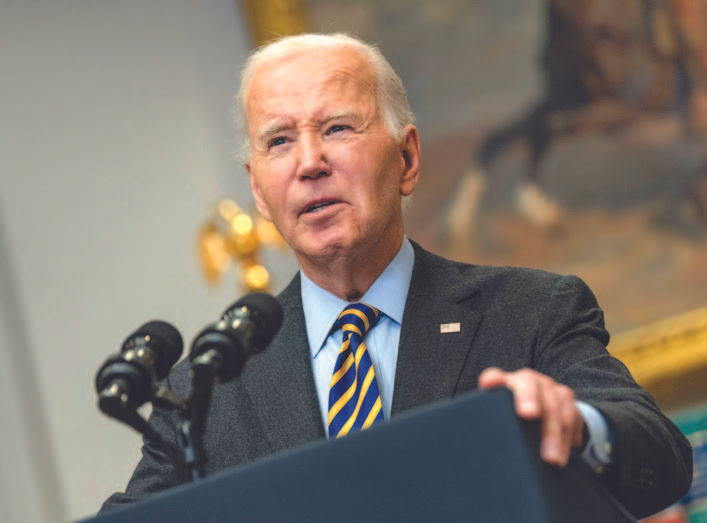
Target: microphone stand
[
  {"x": 204, "y": 370},
  {"x": 190, "y": 457},
  {"x": 116, "y": 404},
  {"x": 218, "y": 355}
]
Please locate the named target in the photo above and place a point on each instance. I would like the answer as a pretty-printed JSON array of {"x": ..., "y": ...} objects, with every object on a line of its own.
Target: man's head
[
  {"x": 328, "y": 162},
  {"x": 391, "y": 96}
]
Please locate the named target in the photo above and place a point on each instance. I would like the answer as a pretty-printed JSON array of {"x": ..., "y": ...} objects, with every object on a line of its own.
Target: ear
[
  {"x": 257, "y": 194},
  {"x": 410, "y": 149}
]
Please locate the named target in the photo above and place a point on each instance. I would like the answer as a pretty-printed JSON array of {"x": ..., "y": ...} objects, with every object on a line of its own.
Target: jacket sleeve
[{"x": 651, "y": 459}]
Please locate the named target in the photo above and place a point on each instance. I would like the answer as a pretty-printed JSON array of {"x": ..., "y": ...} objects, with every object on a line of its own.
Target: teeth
[{"x": 318, "y": 206}]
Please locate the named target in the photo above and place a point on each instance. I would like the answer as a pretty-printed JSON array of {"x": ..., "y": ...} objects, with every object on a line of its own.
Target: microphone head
[
  {"x": 245, "y": 329},
  {"x": 132, "y": 379},
  {"x": 265, "y": 312},
  {"x": 163, "y": 340}
]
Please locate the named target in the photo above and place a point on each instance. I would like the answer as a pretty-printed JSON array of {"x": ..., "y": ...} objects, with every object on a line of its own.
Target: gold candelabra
[{"x": 232, "y": 235}]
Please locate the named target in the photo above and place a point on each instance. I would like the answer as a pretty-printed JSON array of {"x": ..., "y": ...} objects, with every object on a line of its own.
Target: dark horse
[{"x": 604, "y": 62}]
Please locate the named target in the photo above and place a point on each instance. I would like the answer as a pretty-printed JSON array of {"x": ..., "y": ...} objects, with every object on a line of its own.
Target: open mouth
[{"x": 316, "y": 207}]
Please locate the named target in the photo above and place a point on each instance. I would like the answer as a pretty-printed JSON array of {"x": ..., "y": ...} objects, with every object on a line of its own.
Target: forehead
[{"x": 308, "y": 76}]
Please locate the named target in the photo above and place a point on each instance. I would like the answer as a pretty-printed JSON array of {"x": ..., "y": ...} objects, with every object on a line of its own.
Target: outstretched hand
[{"x": 538, "y": 396}]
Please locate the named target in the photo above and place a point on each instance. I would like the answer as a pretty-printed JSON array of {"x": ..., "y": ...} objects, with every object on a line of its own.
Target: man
[{"x": 332, "y": 152}]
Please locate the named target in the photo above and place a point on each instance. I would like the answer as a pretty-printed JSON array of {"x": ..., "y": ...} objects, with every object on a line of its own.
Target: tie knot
[{"x": 358, "y": 318}]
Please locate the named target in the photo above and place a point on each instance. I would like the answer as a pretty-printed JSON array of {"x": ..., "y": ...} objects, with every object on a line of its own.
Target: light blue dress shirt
[{"x": 388, "y": 294}]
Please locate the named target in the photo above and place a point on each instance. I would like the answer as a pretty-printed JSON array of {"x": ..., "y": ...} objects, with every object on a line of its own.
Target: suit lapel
[
  {"x": 282, "y": 387},
  {"x": 429, "y": 361},
  {"x": 280, "y": 383}
]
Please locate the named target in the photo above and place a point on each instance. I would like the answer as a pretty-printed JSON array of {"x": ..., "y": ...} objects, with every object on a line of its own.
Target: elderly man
[{"x": 332, "y": 153}]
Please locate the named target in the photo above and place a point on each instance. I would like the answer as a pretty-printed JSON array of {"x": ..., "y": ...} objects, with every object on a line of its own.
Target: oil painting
[{"x": 567, "y": 135}]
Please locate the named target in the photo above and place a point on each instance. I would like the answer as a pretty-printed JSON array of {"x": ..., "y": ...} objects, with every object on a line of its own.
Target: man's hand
[{"x": 539, "y": 397}]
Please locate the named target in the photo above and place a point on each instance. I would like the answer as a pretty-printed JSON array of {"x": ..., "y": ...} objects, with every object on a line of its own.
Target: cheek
[
  {"x": 274, "y": 185},
  {"x": 276, "y": 205},
  {"x": 387, "y": 180}
]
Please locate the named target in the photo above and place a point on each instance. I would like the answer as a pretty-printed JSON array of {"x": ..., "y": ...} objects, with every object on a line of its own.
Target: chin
[{"x": 326, "y": 250}]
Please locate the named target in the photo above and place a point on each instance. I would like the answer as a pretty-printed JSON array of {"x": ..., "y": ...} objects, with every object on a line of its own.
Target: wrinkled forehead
[{"x": 332, "y": 68}]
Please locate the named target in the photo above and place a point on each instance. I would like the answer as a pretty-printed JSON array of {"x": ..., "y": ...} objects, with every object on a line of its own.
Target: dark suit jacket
[{"x": 510, "y": 318}]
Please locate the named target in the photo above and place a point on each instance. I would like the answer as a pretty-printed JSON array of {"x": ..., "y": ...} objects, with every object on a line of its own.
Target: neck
[{"x": 350, "y": 277}]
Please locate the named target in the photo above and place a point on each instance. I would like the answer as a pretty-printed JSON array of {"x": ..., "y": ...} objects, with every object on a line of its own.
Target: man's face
[{"x": 323, "y": 167}]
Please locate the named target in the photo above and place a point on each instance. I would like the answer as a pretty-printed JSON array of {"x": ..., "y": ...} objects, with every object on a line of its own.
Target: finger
[
  {"x": 574, "y": 419},
  {"x": 522, "y": 383},
  {"x": 551, "y": 428},
  {"x": 578, "y": 431},
  {"x": 526, "y": 387},
  {"x": 492, "y": 378},
  {"x": 559, "y": 423}
]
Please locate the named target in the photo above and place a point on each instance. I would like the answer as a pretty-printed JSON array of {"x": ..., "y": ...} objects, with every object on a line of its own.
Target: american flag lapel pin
[{"x": 445, "y": 328}]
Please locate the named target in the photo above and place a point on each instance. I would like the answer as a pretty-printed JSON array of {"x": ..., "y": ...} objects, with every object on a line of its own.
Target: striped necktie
[{"x": 354, "y": 398}]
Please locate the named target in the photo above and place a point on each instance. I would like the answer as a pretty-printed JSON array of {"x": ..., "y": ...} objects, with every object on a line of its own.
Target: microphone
[
  {"x": 127, "y": 379},
  {"x": 218, "y": 354},
  {"x": 245, "y": 329}
]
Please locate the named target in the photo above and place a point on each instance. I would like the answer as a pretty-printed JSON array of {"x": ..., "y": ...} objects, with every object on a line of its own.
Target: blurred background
[{"x": 566, "y": 135}]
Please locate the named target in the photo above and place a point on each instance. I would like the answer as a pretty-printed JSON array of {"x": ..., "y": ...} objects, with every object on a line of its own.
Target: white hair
[{"x": 391, "y": 96}]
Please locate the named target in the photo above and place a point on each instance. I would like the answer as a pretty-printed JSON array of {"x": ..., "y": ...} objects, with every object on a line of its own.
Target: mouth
[{"x": 318, "y": 206}]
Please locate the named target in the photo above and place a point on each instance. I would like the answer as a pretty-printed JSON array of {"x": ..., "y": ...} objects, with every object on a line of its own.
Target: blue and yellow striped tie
[{"x": 354, "y": 398}]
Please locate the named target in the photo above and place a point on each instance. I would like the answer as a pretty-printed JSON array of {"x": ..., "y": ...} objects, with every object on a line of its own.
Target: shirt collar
[{"x": 387, "y": 294}]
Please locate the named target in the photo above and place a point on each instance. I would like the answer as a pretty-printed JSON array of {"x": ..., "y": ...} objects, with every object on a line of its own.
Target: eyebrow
[
  {"x": 277, "y": 127},
  {"x": 273, "y": 129},
  {"x": 339, "y": 114}
]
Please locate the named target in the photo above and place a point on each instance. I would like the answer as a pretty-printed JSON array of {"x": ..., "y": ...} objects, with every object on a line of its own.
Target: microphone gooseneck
[{"x": 218, "y": 355}]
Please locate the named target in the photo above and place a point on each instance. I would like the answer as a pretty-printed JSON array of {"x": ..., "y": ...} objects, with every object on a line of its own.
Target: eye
[
  {"x": 278, "y": 140},
  {"x": 337, "y": 128}
]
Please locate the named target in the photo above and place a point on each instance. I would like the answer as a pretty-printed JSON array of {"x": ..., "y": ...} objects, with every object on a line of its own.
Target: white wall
[{"x": 115, "y": 141}]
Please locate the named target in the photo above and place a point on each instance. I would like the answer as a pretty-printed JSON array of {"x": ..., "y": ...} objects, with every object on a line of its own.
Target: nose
[{"x": 312, "y": 158}]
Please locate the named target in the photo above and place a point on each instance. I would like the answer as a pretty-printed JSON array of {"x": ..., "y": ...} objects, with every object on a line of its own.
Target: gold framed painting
[{"x": 568, "y": 136}]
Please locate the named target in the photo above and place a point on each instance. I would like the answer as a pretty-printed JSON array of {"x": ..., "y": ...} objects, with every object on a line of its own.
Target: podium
[{"x": 466, "y": 459}]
